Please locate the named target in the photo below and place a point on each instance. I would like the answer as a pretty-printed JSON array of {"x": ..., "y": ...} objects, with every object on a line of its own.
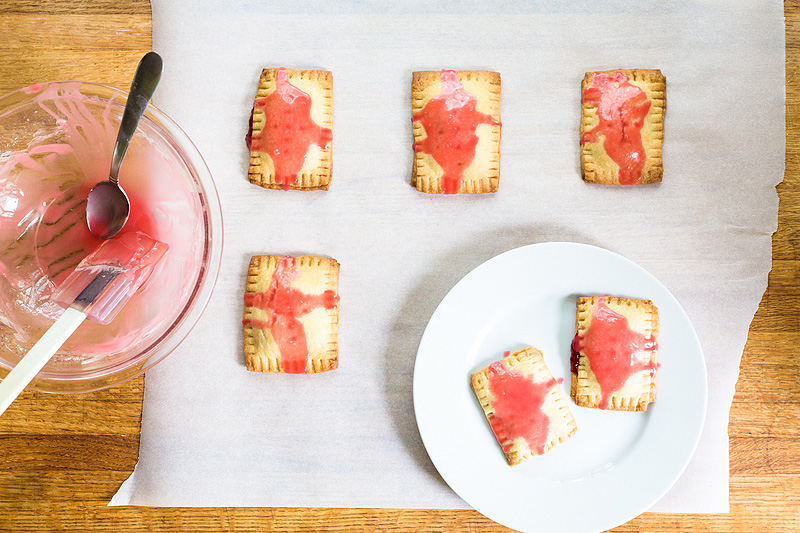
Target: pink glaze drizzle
[{"x": 517, "y": 403}]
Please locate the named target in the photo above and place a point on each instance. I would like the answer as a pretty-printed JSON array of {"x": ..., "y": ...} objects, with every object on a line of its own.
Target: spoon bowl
[{"x": 108, "y": 207}]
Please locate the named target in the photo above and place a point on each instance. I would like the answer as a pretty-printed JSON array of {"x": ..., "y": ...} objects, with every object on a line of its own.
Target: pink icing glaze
[
  {"x": 43, "y": 233},
  {"x": 517, "y": 404}
]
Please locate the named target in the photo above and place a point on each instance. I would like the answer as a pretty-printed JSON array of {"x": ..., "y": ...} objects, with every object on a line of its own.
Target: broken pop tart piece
[
  {"x": 456, "y": 125},
  {"x": 290, "y": 130},
  {"x": 523, "y": 404},
  {"x": 622, "y": 126},
  {"x": 613, "y": 357},
  {"x": 291, "y": 315}
]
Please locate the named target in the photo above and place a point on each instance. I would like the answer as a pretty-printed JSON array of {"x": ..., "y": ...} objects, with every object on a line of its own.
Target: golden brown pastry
[
  {"x": 622, "y": 126},
  {"x": 524, "y": 405},
  {"x": 456, "y": 116},
  {"x": 614, "y": 353},
  {"x": 291, "y": 314},
  {"x": 290, "y": 130}
]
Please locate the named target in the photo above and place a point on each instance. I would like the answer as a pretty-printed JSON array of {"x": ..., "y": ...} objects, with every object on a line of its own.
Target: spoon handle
[{"x": 144, "y": 85}]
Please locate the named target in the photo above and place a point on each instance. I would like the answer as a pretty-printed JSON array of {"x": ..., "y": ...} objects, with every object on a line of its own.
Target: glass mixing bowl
[{"x": 56, "y": 141}]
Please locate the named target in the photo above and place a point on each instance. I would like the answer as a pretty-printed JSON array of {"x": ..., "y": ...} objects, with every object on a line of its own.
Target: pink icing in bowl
[{"x": 56, "y": 141}]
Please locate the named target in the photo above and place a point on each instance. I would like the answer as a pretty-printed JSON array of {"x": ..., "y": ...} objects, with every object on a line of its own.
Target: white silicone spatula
[{"x": 97, "y": 289}]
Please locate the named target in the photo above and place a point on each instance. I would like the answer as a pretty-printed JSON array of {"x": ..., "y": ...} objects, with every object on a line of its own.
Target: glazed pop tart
[
  {"x": 290, "y": 130},
  {"x": 456, "y": 116},
  {"x": 622, "y": 126},
  {"x": 614, "y": 352},
  {"x": 524, "y": 405},
  {"x": 291, "y": 314}
]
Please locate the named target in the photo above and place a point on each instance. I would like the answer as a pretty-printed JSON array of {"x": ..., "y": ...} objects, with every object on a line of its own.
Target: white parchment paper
[{"x": 214, "y": 434}]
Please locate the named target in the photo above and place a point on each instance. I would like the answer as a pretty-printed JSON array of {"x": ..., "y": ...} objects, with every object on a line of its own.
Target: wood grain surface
[{"x": 62, "y": 458}]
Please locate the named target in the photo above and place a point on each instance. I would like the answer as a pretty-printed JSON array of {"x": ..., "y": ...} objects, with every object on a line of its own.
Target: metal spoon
[{"x": 108, "y": 207}]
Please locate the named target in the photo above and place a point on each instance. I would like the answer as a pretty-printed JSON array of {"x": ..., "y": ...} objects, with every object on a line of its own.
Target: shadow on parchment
[{"x": 423, "y": 299}]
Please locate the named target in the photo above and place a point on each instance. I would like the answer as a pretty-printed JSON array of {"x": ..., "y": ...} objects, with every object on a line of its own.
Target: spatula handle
[{"x": 30, "y": 365}]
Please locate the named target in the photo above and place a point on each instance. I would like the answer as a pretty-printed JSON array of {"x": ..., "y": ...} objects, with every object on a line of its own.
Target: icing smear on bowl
[{"x": 65, "y": 148}]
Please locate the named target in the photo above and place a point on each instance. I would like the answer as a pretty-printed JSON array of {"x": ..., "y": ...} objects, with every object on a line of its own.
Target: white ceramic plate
[{"x": 618, "y": 464}]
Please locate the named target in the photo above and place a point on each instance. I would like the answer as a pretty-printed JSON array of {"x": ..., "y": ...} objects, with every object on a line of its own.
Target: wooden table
[{"x": 62, "y": 458}]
